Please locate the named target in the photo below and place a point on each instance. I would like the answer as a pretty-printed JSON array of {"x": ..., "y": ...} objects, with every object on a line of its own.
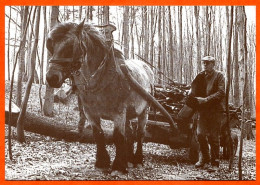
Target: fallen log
[{"x": 157, "y": 132}]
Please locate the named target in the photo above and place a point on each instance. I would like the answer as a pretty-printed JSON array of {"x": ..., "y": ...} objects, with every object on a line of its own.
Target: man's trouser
[{"x": 209, "y": 127}]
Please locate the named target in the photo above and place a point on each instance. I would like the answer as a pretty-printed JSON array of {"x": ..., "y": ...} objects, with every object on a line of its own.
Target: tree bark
[
  {"x": 133, "y": 11},
  {"x": 80, "y": 13},
  {"x": 29, "y": 50},
  {"x": 171, "y": 48},
  {"x": 24, "y": 15},
  {"x": 20, "y": 121},
  {"x": 105, "y": 14},
  {"x": 49, "y": 97},
  {"x": 228, "y": 86},
  {"x": 180, "y": 64},
  {"x": 159, "y": 45},
  {"x": 126, "y": 32},
  {"x": 236, "y": 64},
  {"x": 8, "y": 47},
  {"x": 157, "y": 132},
  {"x": 153, "y": 21}
]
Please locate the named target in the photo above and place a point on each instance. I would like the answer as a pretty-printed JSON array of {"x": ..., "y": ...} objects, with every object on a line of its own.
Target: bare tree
[
  {"x": 153, "y": 20},
  {"x": 8, "y": 43},
  {"x": 171, "y": 49},
  {"x": 180, "y": 64},
  {"x": 49, "y": 97},
  {"x": 126, "y": 31},
  {"x": 236, "y": 64},
  {"x": 24, "y": 16},
  {"x": 20, "y": 124},
  {"x": 105, "y": 14},
  {"x": 80, "y": 13},
  {"x": 159, "y": 44},
  {"x": 228, "y": 86}
]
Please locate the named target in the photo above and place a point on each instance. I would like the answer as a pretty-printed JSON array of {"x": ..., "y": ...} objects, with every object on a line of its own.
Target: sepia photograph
[{"x": 130, "y": 93}]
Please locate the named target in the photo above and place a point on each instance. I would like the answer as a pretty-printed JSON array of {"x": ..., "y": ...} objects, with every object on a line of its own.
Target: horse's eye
[{"x": 49, "y": 45}]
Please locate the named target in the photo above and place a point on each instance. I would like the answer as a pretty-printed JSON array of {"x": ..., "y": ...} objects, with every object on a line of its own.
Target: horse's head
[
  {"x": 70, "y": 45},
  {"x": 64, "y": 44}
]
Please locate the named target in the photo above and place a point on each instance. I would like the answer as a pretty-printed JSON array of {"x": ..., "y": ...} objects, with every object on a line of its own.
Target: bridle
[{"x": 75, "y": 63}]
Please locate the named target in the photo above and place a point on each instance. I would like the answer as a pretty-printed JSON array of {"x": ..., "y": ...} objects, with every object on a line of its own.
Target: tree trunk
[
  {"x": 153, "y": 21},
  {"x": 158, "y": 132},
  {"x": 146, "y": 33},
  {"x": 228, "y": 86},
  {"x": 126, "y": 31},
  {"x": 105, "y": 14},
  {"x": 163, "y": 53},
  {"x": 11, "y": 88},
  {"x": 29, "y": 50},
  {"x": 171, "y": 48},
  {"x": 15, "y": 37},
  {"x": 236, "y": 65},
  {"x": 49, "y": 98},
  {"x": 43, "y": 44},
  {"x": 220, "y": 65},
  {"x": 24, "y": 15},
  {"x": 246, "y": 100},
  {"x": 159, "y": 45},
  {"x": 8, "y": 43},
  {"x": 180, "y": 45},
  {"x": 208, "y": 30},
  {"x": 80, "y": 13},
  {"x": 20, "y": 121},
  {"x": 132, "y": 31}
]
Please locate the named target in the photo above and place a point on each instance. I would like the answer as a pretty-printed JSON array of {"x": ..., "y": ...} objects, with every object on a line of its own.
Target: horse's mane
[{"x": 91, "y": 37}]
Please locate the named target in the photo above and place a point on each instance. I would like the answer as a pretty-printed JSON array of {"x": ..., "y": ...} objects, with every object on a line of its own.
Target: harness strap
[{"x": 63, "y": 60}]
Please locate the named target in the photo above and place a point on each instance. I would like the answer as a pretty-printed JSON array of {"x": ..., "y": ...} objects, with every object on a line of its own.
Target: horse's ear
[
  {"x": 80, "y": 27},
  {"x": 58, "y": 21}
]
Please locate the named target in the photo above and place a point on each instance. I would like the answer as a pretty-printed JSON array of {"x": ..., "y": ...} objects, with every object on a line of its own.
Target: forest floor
[{"x": 46, "y": 158}]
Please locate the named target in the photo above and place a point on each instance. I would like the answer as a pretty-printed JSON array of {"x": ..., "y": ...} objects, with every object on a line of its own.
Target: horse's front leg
[
  {"x": 142, "y": 120},
  {"x": 120, "y": 162},
  {"x": 102, "y": 157}
]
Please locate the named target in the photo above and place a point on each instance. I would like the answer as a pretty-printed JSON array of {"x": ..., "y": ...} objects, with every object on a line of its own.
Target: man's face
[{"x": 207, "y": 66}]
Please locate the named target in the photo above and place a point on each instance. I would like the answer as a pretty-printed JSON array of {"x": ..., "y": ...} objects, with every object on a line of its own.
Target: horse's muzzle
[{"x": 54, "y": 79}]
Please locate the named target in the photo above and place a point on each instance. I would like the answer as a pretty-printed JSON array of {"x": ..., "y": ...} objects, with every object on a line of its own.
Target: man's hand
[{"x": 202, "y": 100}]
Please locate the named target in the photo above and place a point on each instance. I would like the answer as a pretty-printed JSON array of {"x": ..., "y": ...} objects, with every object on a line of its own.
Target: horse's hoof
[
  {"x": 139, "y": 165},
  {"x": 130, "y": 165},
  {"x": 119, "y": 174},
  {"x": 103, "y": 170}
]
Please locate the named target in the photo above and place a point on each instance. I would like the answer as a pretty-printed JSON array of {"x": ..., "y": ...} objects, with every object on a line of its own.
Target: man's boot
[{"x": 204, "y": 157}]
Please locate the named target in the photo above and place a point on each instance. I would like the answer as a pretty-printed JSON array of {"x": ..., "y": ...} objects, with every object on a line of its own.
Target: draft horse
[{"x": 109, "y": 87}]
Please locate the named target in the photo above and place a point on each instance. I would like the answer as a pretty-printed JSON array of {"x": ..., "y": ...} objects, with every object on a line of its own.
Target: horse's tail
[{"x": 147, "y": 96}]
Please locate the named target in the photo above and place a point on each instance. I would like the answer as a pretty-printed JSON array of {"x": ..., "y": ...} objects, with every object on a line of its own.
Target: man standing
[{"x": 209, "y": 90}]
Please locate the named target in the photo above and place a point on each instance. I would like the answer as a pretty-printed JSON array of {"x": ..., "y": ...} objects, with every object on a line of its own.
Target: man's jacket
[{"x": 212, "y": 87}]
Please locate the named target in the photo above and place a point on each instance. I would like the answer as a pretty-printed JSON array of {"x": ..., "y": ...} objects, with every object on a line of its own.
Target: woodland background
[{"x": 171, "y": 38}]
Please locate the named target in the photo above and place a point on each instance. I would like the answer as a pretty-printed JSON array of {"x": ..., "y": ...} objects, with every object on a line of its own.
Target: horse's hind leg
[
  {"x": 142, "y": 120},
  {"x": 120, "y": 162},
  {"x": 102, "y": 157},
  {"x": 129, "y": 144}
]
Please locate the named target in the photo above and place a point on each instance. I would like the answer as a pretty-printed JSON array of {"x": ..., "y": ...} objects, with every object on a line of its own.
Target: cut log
[
  {"x": 14, "y": 108},
  {"x": 157, "y": 132}
]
